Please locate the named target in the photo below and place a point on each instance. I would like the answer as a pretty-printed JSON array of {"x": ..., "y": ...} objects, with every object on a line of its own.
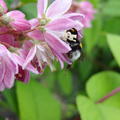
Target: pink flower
[
  {"x": 35, "y": 57},
  {"x": 21, "y": 57},
  {"x": 85, "y": 8},
  {"x": 12, "y": 26},
  {"x": 8, "y": 68},
  {"x": 16, "y": 20},
  {"x": 52, "y": 23}
]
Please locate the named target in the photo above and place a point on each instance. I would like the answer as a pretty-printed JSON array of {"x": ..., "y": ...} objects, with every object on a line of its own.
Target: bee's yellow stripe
[{"x": 81, "y": 45}]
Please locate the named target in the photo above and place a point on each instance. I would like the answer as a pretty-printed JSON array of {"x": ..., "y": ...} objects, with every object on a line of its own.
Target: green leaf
[
  {"x": 65, "y": 82},
  {"x": 28, "y": 1},
  {"x": 101, "y": 84},
  {"x": 9, "y": 2},
  {"x": 83, "y": 72},
  {"x": 112, "y": 23},
  {"x": 114, "y": 44},
  {"x": 30, "y": 10},
  {"x": 36, "y": 102},
  {"x": 95, "y": 3},
  {"x": 10, "y": 100},
  {"x": 112, "y": 8},
  {"x": 88, "y": 110},
  {"x": 49, "y": 79},
  {"x": 98, "y": 86},
  {"x": 91, "y": 111}
]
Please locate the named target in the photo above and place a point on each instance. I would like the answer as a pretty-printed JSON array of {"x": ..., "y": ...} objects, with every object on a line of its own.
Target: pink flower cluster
[
  {"x": 85, "y": 8},
  {"x": 30, "y": 45}
]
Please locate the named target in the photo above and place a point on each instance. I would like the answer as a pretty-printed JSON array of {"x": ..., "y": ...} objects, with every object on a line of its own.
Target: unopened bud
[{"x": 6, "y": 19}]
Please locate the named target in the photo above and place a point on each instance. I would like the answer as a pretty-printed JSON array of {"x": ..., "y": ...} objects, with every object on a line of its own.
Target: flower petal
[
  {"x": 56, "y": 43},
  {"x": 29, "y": 67},
  {"x": 9, "y": 39},
  {"x": 30, "y": 56},
  {"x": 62, "y": 58},
  {"x": 21, "y": 25},
  {"x": 16, "y": 14},
  {"x": 61, "y": 24},
  {"x": 9, "y": 76},
  {"x": 41, "y": 6},
  {"x": 78, "y": 18},
  {"x": 36, "y": 35},
  {"x": 58, "y": 7},
  {"x": 74, "y": 16},
  {"x": 2, "y": 71},
  {"x": 34, "y": 23}
]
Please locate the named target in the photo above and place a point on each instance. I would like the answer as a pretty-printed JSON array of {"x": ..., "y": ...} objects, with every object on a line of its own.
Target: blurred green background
[{"x": 71, "y": 94}]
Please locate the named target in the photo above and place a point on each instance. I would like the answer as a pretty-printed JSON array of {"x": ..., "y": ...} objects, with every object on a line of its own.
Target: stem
[
  {"x": 32, "y": 29},
  {"x": 117, "y": 90}
]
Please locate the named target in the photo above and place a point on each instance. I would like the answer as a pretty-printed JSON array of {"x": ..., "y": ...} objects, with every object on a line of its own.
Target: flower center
[{"x": 43, "y": 22}]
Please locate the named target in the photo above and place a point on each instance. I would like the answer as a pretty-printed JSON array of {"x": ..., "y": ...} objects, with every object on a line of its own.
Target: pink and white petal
[
  {"x": 2, "y": 71},
  {"x": 32, "y": 69},
  {"x": 36, "y": 35},
  {"x": 62, "y": 58},
  {"x": 29, "y": 57},
  {"x": 56, "y": 43},
  {"x": 23, "y": 52},
  {"x": 16, "y": 14},
  {"x": 41, "y": 6},
  {"x": 3, "y": 50},
  {"x": 34, "y": 23},
  {"x": 8, "y": 39},
  {"x": 4, "y": 6},
  {"x": 20, "y": 25},
  {"x": 74, "y": 16},
  {"x": 61, "y": 24},
  {"x": 13, "y": 61},
  {"x": 9, "y": 77},
  {"x": 58, "y": 8},
  {"x": 78, "y": 18},
  {"x": 29, "y": 67},
  {"x": 61, "y": 62}
]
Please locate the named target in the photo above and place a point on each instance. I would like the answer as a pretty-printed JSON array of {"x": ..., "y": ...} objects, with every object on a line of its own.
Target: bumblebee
[{"x": 71, "y": 37}]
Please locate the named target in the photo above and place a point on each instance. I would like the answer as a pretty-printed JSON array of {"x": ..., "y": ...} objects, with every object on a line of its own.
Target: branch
[{"x": 117, "y": 90}]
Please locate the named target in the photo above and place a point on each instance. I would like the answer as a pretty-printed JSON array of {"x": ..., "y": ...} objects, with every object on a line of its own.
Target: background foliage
[{"x": 72, "y": 94}]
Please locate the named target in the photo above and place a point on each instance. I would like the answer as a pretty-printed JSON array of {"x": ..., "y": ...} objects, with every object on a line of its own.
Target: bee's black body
[{"x": 75, "y": 44}]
